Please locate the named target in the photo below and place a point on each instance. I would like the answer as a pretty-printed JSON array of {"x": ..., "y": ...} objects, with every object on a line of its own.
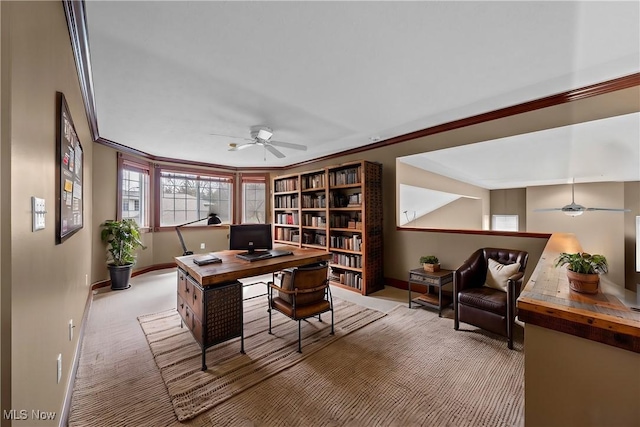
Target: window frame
[
  {"x": 137, "y": 165},
  {"x": 262, "y": 178},
  {"x": 160, "y": 169}
]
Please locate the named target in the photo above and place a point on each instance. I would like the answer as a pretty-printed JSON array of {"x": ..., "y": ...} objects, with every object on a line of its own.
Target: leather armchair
[
  {"x": 303, "y": 292},
  {"x": 485, "y": 307}
]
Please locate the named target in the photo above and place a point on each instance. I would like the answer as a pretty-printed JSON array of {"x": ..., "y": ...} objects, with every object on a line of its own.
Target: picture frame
[{"x": 69, "y": 174}]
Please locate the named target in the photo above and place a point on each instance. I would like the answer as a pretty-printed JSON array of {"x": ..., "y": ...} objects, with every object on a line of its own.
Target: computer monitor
[{"x": 250, "y": 237}]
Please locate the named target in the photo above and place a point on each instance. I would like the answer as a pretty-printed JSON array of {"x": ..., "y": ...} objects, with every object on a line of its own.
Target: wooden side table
[{"x": 433, "y": 280}]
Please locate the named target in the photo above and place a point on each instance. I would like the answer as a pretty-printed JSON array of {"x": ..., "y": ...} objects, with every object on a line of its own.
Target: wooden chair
[{"x": 303, "y": 292}]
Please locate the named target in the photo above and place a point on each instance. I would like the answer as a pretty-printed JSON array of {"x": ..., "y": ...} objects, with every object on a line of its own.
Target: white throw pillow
[{"x": 498, "y": 274}]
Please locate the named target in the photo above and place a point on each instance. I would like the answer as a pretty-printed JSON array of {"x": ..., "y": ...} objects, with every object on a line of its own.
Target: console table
[
  {"x": 210, "y": 296},
  {"x": 436, "y": 279}
]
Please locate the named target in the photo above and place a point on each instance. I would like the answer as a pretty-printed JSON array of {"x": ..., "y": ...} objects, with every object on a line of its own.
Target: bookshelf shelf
[{"x": 338, "y": 209}]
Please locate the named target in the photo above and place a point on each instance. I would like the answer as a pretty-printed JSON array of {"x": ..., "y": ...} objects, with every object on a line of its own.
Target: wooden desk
[{"x": 210, "y": 296}]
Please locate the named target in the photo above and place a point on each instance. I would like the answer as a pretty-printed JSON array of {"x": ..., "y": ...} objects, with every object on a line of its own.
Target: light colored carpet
[
  {"x": 409, "y": 368},
  {"x": 229, "y": 372}
]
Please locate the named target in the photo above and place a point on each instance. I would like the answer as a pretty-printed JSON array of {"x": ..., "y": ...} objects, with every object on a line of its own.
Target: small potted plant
[
  {"x": 123, "y": 239},
  {"x": 583, "y": 270},
  {"x": 430, "y": 263}
]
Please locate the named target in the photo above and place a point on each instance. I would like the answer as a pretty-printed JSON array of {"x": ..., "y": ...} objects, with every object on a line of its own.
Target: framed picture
[{"x": 69, "y": 172}]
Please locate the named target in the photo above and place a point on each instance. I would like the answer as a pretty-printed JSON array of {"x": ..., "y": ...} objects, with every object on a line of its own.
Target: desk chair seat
[{"x": 303, "y": 292}]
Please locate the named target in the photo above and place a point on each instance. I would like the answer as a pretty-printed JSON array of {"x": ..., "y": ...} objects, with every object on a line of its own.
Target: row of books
[
  {"x": 348, "y": 260},
  {"x": 314, "y": 201},
  {"x": 287, "y": 234},
  {"x": 354, "y": 200},
  {"x": 313, "y": 181},
  {"x": 314, "y": 220},
  {"x": 288, "y": 218},
  {"x": 351, "y": 243},
  {"x": 346, "y": 176},
  {"x": 287, "y": 184},
  {"x": 286, "y": 202},
  {"x": 348, "y": 278},
  {"x": 312, "y": 238},
  {"x": 345, "y": 220}
]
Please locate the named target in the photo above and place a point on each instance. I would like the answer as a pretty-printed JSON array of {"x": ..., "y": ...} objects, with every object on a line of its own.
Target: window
[
  {"x": 504, "y": 222},
  {"x": 190, "y": 196},
  {"x": 134, "y": 193},
  {"x": 254, "y": 194}
]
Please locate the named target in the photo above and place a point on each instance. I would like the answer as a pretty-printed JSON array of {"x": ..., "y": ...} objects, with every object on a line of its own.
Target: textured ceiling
[{"x": 334, "y": 75}]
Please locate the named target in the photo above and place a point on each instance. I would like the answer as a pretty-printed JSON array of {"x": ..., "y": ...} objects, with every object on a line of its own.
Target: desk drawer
[
  {"x": 190, "y": 293},
  {"x": 194, "y": 324}
]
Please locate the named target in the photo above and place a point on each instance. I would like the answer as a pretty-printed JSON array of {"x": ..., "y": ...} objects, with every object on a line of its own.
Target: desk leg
[
  {"x": 440, "y": 301},
  {"x": 409, "y": 287},
  {"x": 204, "y": 359}
]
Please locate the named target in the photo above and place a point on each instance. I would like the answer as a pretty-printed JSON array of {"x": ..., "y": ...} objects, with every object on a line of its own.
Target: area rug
[{"x": 229, "y": 372}]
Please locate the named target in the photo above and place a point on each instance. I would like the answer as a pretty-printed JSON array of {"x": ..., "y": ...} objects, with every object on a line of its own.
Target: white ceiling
[{"x": 333, "y": 75}]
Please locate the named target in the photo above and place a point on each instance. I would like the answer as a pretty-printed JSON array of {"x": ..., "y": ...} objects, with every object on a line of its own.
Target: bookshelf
[{"x": 338, "y": 209}]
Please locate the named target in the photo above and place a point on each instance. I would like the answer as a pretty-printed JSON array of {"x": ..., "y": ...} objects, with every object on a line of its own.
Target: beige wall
[
  {"x": 465, "y": 213},
  {"x": 510, "y": 201},
  {"x": 5, "y": 215},
  {"x": 575, "y": 382},
  {"x": 47, "y": 281}
]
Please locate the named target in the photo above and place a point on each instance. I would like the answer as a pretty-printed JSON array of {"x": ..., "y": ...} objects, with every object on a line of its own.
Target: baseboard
[
  {"x": 107, "y": 283},
  {"x": 66, "y": 404}
]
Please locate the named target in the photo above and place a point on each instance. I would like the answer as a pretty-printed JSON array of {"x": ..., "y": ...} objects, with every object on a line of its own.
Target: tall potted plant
[
  {"x": 123, "y": 239},
  {"x": 583, "y": 270}
]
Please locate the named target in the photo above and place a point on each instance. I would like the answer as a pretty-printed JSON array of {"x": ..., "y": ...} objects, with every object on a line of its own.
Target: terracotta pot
[
  {"x": 583, "y": 283},
  {"x": 431, "y": 268}
]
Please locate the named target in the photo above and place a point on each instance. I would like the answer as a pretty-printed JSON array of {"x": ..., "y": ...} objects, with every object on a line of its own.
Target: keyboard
[{"x": 257, "y": 256}]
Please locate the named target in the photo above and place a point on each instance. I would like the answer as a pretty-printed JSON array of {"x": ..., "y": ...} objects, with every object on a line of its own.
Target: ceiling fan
[
  {"x": 574, "y": 209},
  {"x": 261, "y": 135}
]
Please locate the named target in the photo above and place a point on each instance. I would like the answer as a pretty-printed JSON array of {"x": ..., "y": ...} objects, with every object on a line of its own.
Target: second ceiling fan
[{"x": 261, "y": 136}]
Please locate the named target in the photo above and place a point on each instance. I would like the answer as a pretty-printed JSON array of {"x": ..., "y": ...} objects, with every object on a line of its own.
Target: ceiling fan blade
[
  {"x": 609, "y": 209},
  {"x": 289, "y": 145},
  {"x": 273, "y": 151},
  {"x": 236, "y": 147},
  {"x": 547, "y": 209},
  {"x": 231, "y": 136}
]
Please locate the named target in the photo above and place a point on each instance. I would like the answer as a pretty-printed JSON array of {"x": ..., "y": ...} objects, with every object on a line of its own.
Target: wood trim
[
  {"x": 77, "y": 25},
  {"x": 602, "y": 88},
  {"x": 481, "y": 232},
  {"x": 107, "y": 283},
  {"x": 613, "y": 337},
  {"x": 76, "y": 22}
]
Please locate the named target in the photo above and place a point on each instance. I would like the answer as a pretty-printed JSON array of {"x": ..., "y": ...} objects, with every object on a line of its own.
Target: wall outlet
[
  {"x": 59, "y": 374},
  {"x": 201, "y": 245},
  {"x": 71, "y": 329},
  {"x": 86, "y": 280}
]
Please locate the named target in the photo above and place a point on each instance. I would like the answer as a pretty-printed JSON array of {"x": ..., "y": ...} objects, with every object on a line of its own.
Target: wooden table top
[
  {"x": 232, "y": 268},
  {"x": 547, "y": 301}
]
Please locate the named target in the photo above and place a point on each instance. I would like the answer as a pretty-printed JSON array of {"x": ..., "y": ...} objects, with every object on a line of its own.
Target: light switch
[{"x": 38, "y": 210}]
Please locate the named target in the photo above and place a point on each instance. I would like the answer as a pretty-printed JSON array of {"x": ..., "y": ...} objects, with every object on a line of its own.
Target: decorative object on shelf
[
  {"x": 430, "y": 263},
  {"x": 583, "y": 270},
  {"x": 123, "y": 239}
]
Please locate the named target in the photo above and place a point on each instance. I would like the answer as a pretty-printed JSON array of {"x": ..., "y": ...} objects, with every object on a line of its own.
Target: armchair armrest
[
  {"x": 470, "y": 274},
  {"x": 514, "y": 284}
]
